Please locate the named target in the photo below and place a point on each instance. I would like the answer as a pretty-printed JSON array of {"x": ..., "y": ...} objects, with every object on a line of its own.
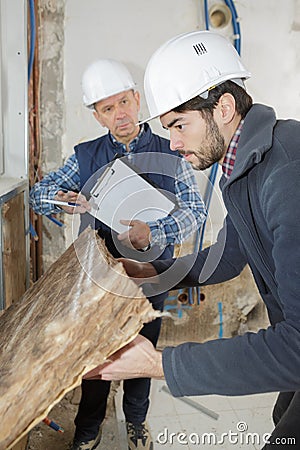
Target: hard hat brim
[{"x": 238, "y": 81}]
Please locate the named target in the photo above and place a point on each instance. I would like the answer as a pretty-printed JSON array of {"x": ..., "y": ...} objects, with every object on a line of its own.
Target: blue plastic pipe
[
  {"x": 235, "y": 25},
  {"x": 32, "y": 37}
]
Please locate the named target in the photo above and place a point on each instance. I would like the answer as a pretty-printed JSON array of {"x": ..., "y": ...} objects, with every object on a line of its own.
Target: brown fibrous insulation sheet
[{"x": 83, "y": 309}]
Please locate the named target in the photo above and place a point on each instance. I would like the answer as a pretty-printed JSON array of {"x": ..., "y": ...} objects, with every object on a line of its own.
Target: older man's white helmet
[
  {"x": 188, "y": 65},
  {"x": 104, "y": 78}
]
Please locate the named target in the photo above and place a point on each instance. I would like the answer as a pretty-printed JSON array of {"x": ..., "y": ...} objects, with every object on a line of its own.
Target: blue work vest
[{"x": 148, "y": 157}]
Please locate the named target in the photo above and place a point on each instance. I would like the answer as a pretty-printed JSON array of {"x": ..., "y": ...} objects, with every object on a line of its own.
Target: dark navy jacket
[
  {"x": 262, "y": 228},
  {"x": 93, "y": 157}
]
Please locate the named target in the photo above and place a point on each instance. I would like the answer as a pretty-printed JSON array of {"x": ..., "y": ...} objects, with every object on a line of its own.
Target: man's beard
[{"x": 212, "y": 150}]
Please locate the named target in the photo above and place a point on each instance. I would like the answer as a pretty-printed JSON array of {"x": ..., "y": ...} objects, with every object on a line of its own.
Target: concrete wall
[
  {"x": 52, "y": 110},
  {"x": 131, "y": 31}
]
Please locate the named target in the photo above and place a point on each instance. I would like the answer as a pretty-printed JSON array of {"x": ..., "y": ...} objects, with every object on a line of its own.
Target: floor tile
[
  {"x": 161, "y": 403},
  {"x": 258, "y": 422},
  {"x": 215, "y": 403},
  {"x": 257, "y": 400},
  {"x": 164, "y": 432},
  {"x": 209, "y": 434},
  {"x": 176, "y": 425}
]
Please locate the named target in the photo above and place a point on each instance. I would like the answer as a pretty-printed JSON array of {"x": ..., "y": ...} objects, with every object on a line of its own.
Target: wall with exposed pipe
[{"x": 132, "y": 30}]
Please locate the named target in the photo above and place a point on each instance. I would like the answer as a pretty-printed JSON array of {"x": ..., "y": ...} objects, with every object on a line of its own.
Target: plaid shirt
[
  {"x": 169, "y": 230},
  {"x": 229, "y": 160}
]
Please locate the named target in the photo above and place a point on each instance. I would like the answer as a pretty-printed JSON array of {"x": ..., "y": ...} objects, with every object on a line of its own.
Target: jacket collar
[{"x": 255, "y": 140}]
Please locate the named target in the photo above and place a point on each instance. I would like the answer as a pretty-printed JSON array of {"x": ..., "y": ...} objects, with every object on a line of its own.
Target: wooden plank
[
  {"x": 14, "y": 258},
  {"x": 82, "y": 310},
  {"x": 14, "y": 249}
]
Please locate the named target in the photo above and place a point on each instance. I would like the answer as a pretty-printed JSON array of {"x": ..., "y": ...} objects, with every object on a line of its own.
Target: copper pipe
[{"x": 35, "y": 172}]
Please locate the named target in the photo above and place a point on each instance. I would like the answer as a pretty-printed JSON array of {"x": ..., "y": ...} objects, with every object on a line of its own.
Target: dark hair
[{"x": 242, "y": 99}]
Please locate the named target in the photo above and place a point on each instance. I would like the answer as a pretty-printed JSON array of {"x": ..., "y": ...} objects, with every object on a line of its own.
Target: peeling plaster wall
[
  {"x": 51, "y": 48},
  {"x": 242, "y": 310}
]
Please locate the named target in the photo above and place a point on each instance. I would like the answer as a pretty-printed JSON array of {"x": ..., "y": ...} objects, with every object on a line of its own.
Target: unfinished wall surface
[
  {"x": 228, "y": 309},
  {"x": 128, "y": 31},
  {"x": 131, "y": 31},
  {"x": 52, "y": 111}
]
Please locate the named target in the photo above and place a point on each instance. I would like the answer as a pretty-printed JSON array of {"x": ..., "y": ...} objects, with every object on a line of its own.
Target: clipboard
[{"x": 121, "y": 193}]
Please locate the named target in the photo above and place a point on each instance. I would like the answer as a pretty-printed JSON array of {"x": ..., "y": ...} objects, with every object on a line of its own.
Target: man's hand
[
  {"x": 73, "y": 197},
  {"x": 138, "y": 359},
  {"x": 139, "y": 271},
  {"x": 138, "y": 236}
]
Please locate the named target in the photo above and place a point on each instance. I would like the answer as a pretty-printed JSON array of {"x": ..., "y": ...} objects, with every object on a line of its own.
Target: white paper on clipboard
[{"x": 121, "y": 193}]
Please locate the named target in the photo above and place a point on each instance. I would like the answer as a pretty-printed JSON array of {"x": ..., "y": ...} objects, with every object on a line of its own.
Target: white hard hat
[
  {"x": 104, "y": 78},
  {"x": 188, "y": 65}
]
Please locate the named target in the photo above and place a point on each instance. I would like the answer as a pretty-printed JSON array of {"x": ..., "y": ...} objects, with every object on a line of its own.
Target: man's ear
[
  {"x": 97, "y": 117},
  {"x": 137, "y": 98},
  {"x": 226, "y": 108}
]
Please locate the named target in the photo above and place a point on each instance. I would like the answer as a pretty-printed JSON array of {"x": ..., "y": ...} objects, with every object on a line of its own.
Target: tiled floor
[{"x": 242, "y": 420}]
